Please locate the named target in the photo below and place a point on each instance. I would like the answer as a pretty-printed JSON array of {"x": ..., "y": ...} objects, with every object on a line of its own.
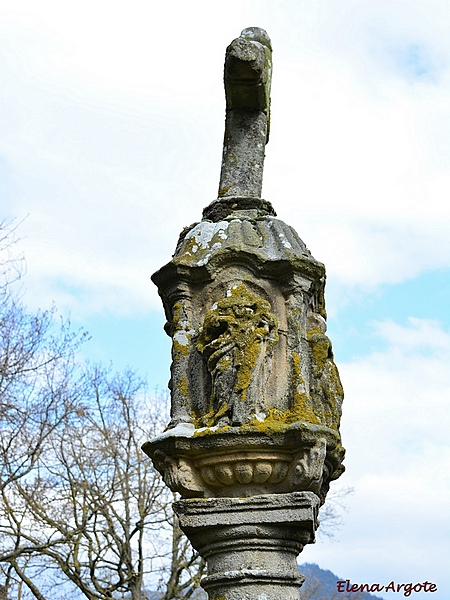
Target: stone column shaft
[
  {"x": 251, "y": 544},
  {"x": 243, "y": 159}
]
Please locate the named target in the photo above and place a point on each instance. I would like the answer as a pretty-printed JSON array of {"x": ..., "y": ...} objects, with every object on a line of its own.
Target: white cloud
[
  {"x": 421, "y": 334},
  {"x": 395, "y": 428},
  {"x": 113, "y": 134}
]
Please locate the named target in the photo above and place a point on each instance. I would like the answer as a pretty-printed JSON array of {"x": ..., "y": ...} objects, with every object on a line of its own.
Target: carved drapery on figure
[
  {"x": 236, "y": 337},
  {"x": 255, "y": 393}
]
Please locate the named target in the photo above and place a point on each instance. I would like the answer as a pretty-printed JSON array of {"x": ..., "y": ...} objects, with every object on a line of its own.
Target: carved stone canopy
[{"x": 244, "y": 301}]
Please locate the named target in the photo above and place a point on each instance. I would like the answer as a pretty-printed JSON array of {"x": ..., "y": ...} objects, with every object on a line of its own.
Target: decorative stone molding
[
  {"x": 178, "y": 474},
  {"x": 244, "y": 468},
  {"x": 234, "y": 462}
]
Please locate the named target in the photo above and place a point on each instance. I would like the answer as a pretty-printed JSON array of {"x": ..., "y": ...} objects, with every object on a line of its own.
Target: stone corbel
[
  {"x": 179, "y": 475},
  {"x": 307, "y": 472}
]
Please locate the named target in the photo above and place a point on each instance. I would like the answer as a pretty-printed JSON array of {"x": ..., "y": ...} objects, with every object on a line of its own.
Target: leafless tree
[
  {"x": 82, "y": 511},
  {"x": 331, "y": 513},
  {"x": 92, "y": 516},
  {"x": 184, "y": 570}
]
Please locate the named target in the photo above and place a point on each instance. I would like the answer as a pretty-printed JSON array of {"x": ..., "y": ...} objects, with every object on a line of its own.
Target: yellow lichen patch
[
  {"x": 273, "y": 423},
  {"x": 320, "y": 348},
  {"x": 200, "y": 432},
  {"x": 180, "y": 348},
  {"x": 179, "y": 319},
  {"x": 222, "y": 410},
  {"x": 181, "y": 336},
  {"x": 297, "y": 377},
  {"x": 278, "y": 420},
  {"x": 190, "y": 245},
  {"x": 330, "y": 389},
  {"x": 223, "y": 190},
  {"x": 335, "y": 380},
  {"x": 182, "y": 386},
  {"x": 176, "y": 311},
  {"x": 327, "y": 387},
  {"x": 225, "y": 362},
  {"x": 233, "y": 333},
  {"x": 302, "y": 409},
  {"x": 211, "y": 417}
]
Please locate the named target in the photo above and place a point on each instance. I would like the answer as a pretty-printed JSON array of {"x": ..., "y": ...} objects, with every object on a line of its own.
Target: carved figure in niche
[
  {"x": 235, "y": 341},
  {"x": 326, "y": 387}
]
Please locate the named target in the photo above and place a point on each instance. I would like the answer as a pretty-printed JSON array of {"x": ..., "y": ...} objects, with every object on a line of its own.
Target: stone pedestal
[{"x": 251, "y": 544}]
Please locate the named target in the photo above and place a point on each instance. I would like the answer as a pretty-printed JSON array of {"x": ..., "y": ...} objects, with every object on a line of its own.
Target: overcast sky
[{"x": 111, "y": 126}]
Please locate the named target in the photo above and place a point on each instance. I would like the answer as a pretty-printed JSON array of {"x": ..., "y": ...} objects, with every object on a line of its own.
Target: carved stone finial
[
  {"x": 255, "y": 393},
  {"x": 247, "y": 77}
]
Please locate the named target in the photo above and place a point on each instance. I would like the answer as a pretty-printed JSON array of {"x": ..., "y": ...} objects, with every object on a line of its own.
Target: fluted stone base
[{"x": 251, "y": 544}]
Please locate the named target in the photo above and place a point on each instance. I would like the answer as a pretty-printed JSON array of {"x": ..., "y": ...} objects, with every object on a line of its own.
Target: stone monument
[{"x": 253, "y": 442}]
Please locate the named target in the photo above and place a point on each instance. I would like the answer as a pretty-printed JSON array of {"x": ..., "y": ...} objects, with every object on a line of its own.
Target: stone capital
[{"x": 245, "y": 462}]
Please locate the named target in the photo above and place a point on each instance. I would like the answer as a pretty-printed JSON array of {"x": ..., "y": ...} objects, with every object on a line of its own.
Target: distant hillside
[{"x": 321, "y": 585}]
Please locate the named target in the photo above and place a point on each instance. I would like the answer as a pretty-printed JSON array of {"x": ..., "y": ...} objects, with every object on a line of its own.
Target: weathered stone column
[
  {"x": 254, "y": 441},
  {"x": 251, "y": 544}
]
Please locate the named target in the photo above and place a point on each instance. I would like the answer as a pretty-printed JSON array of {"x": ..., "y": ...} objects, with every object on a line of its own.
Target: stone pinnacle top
[{"x": 247, "y": 77}]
